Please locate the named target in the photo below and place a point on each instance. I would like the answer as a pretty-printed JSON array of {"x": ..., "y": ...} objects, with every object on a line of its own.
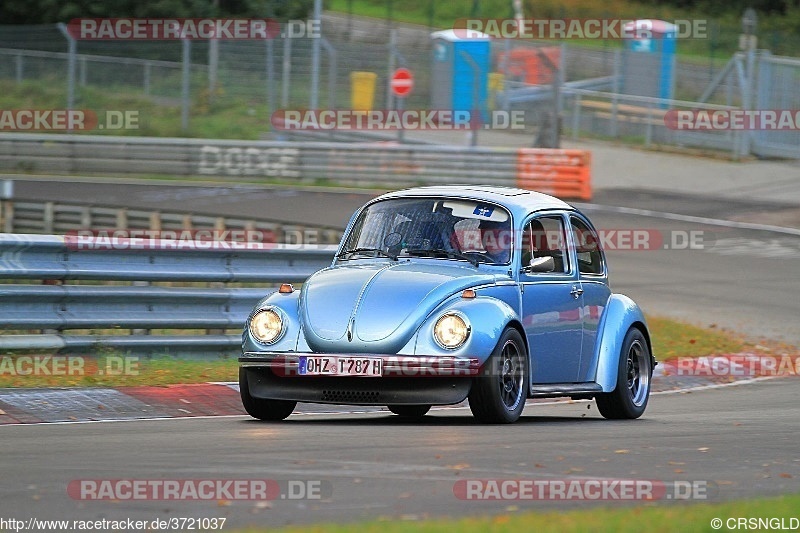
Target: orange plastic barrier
[
  {"x": 527, "y": 65},
  {"x": 561, "y": 173}
]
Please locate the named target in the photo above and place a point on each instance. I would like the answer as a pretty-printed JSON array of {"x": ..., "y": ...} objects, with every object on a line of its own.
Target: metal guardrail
[
  {"x": 347, "y": 163},
  {"x": 61, "y": 218},
  {"x": 54, "y": 308},
  {"x": 357, "y": 164}
]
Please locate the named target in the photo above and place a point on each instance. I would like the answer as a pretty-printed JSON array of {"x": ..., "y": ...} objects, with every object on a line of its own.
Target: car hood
[{"x": 377, "y": 307}]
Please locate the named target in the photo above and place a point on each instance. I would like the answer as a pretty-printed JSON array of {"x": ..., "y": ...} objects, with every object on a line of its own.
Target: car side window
[
  {"x": 545, "y": 237},
  {"x": 587, "y": 246}
]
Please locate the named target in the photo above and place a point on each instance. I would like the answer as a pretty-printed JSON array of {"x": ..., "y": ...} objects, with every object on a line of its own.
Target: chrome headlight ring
[
  {"x": 451, "y": 330},
  {"x": 267, "y": 325}
]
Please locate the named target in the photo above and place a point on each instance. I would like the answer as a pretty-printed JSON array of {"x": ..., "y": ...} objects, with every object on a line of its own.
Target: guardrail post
[
  {"x": 122, "y": 218},
  {"x": 48, "y": 218},
  {"x": 186, "y": 222},
  {"x": 576, "y": 116},
  {"x": 648, "y": 135},
  {"x": 7, "y": 216},
  {"x": 155, "y": 221},
  {"x": 86, "y": 217},
  {"x": 7, "y": 206}
]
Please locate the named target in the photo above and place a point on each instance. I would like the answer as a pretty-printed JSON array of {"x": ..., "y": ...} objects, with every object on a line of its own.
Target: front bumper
[{"x": 273, "y": 375}]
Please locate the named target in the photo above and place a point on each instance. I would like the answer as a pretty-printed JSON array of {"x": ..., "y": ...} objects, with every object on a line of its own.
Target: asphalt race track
[{"x": 736, "y": 441}]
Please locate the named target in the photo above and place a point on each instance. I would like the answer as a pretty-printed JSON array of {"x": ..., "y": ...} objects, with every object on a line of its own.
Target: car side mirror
[{"x": 540, "y": 264}]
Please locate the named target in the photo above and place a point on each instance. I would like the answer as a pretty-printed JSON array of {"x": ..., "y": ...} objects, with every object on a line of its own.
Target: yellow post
[
  {"x": 496, "y": 80},
  {"x": 362, "y": 94}
]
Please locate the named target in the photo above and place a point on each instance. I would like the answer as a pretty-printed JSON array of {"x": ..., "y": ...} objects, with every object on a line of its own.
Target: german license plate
[{"x": 329, "y": 365}]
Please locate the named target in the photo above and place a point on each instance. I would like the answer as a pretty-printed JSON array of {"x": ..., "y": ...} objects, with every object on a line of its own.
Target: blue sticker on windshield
[{"x": 483, "y": 210}]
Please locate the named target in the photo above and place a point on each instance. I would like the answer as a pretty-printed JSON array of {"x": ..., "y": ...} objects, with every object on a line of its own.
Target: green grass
[
  {"x": 103, "y": 372},
  {"x": 777, "y": 32},
  {"x": 225, "y": 118},
  {"x": 670, "y": 339},
  {"x": 651, "y": 518}
]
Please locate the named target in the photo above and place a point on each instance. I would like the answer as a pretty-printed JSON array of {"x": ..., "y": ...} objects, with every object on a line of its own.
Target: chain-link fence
[{"x": 586, "y": 84}]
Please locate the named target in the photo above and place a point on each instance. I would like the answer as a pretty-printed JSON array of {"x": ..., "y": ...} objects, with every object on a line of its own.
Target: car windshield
[{"x": 470, "y": 230}]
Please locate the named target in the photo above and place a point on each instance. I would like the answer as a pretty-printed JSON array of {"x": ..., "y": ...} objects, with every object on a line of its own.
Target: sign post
[{"x": 401, "y": 84}]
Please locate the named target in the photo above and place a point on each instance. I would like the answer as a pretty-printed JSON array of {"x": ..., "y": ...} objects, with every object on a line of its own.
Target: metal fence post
[
  {"x": 390, "y": 68},
  {"x": 286, "y": 76},
  {"x": 315, "y": 58},
  {"x": 72, "y": 51},
  {"x": 187, "y": 72},
  {"x": 18, "y": 70},
  {"x": 332, "y": 61},
  {"x": 615, "y": 91},
  {"x": 147, "y": 78},
  {"x": 213, "y": 65},
  {"x": 270, "y": 66},
  {"x": 83, "y": 72}
]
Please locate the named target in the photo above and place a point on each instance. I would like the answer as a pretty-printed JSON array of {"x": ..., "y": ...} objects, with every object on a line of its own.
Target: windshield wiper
[
  {"x": 363, "y": 250},
  {"x": 436, "y": 252}
]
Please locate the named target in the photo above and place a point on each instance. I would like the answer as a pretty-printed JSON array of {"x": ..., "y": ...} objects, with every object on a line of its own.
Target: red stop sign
[{"x": 402, "y": 82}]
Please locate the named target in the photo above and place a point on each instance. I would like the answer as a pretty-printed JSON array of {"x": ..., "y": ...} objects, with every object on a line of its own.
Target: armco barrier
[
  {"x": 562, "y": 173},
  {"x": 64, "y": 218},
  {"x": 356, "y": 164},
  {"x": 52, "y": 309}
]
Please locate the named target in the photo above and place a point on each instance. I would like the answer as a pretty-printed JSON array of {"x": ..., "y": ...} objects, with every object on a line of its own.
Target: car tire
[
  {"x": 498, "y": 395},
  {"x": 629, "y": 398},
  {"x": 260, "y": 408},
  {"x": 410, "y": 411}
]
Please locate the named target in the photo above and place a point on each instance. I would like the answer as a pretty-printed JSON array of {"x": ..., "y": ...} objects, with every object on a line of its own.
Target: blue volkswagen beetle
[{"x": 439, "y": 294}]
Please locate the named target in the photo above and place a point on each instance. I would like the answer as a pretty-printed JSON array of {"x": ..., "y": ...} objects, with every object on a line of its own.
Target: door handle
[{"x": 576, "y": 291}]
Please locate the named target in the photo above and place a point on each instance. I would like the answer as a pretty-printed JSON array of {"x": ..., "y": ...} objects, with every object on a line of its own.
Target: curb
[{"x": 71, "y": 405}]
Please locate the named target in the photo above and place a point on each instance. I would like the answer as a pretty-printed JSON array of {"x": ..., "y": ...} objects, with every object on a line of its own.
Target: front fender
[
  {"x": 620, "y": 315},
  {"x": 488, "y": 318}
]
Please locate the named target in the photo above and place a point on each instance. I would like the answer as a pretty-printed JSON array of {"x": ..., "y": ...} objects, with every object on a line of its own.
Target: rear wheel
[
  {"x": 498, "y": 394},
  {"x": 410, "y": 411},
  {"x": 261, "y": 408},
  {"x": 629, "y": 399}
]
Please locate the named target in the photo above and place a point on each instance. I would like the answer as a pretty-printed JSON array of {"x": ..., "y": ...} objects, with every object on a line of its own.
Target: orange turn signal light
[
  {"x": 468, "y": 294},
  {"x": 286, "y": 288}
]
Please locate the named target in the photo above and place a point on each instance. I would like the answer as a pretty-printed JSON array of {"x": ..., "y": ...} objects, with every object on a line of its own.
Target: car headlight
[
  {"x": 266, "y": 326},
  {"x": 451, "y": 331}
]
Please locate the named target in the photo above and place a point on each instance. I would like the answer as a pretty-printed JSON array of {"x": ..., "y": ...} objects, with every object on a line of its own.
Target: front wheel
[
  {"x": 629, "y": 399},
  {"x": 410, "y": 411},
  {"x": 263, "y": 409},
  {"x": 498, "y": 394}
]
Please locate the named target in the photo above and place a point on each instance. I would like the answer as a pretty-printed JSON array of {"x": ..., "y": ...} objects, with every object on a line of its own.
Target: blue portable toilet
[
  {"x": 460, "y": 71},
  {"x": 648, "y": 67}
]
